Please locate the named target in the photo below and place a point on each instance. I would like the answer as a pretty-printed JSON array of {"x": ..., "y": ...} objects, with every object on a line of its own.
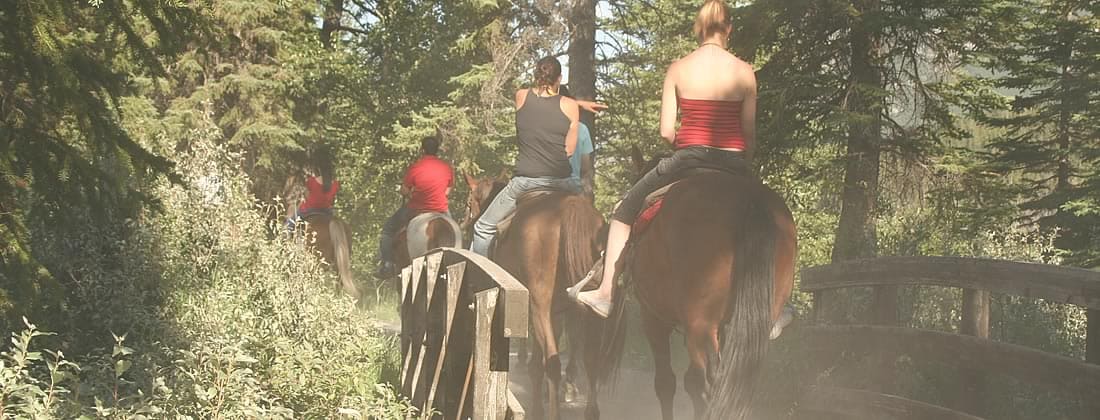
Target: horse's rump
[
  {"x": 427, "y": 231},
  {"x": 708, "y": 259}
]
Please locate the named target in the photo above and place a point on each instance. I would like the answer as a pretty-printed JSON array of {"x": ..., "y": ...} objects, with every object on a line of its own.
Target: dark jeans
[
  {"x": 302, "y": 214},
  {"x": 670, "y": 169},
  {"x": 393, "y": 225}
]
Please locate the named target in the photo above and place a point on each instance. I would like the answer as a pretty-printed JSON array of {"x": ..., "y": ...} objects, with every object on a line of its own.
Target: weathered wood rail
[
  {"x": 458, "y": 312},
  {"x": 971, "y": 353}
]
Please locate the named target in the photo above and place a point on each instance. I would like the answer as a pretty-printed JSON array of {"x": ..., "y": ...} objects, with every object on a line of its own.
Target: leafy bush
[{"x": 226, "y": 317}]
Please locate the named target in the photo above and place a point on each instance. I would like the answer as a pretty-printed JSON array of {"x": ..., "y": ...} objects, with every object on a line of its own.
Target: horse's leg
[
  {"x": 593, "y": 334},
  {"x": 702, "y": 345},
  {"x": 567, "y": 385},
  {"x": 545, "y": 366},
  {"x": 535, "y": 373},
  {"x": 664, "y": 379}
]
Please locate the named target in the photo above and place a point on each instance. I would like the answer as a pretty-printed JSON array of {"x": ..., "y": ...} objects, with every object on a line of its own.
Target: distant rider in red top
[
  {"x": 321, "y": 189},
  {"x": 426, "y": 186}
]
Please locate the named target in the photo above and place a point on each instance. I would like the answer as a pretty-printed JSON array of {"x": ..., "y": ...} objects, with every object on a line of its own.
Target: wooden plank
[
  {"x": 412, "y": 328},
  {"x": 431, "y": 266},
  {"x": 1053, "y": 283},
  {"x": 417, "y": 270},
  {"x": 513, "y": 295},
  {"x": 515, "y": 409},
  {"x": 1071, "y": 377},
  {"x": 485, "y": 402},
  {"x": 453, "y": 287},
  {"x": 419, "y": 388},
  {"x": 857, "y": 404}
]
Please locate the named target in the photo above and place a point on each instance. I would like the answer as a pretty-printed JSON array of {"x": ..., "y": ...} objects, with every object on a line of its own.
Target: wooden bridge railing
[
  {"x": 971, "y": 352},
  {"x": 458, "y": 312}
]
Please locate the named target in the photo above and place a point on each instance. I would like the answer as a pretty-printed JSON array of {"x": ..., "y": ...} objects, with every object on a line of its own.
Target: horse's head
[{"x": 482, "y": 192}]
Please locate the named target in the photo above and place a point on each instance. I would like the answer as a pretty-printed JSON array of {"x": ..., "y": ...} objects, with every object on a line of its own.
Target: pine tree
[
  {"x": 65, "y": 158},
  {"x": 1051, "y": 67}
]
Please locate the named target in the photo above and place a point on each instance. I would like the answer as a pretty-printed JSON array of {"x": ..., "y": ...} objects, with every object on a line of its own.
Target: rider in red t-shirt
[
  {"x": 426, "y": 185},
  {"x": 321, "y": 189}
]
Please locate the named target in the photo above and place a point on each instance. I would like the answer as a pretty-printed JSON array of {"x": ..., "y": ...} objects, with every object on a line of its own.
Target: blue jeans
[
  {"x": 505, "y": 203},
  {"x": 385, "y": 241}
]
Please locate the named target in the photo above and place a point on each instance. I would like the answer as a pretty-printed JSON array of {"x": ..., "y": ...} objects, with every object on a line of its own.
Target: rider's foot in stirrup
[
  {"x": 599, "y": 304},
  {"x": 785, "y": 318},
  {"x": 576, "y": 289}
]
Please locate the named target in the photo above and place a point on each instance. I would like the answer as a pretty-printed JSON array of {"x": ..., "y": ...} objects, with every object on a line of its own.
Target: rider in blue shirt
[{"x": 581, "y": 160}]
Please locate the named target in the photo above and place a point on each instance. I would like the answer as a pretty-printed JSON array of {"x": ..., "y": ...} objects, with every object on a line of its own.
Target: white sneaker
[
  {"x": 597, "y": 269},
  {"x": 600, "y": 307},
  {"x": 785, "y": 318}
]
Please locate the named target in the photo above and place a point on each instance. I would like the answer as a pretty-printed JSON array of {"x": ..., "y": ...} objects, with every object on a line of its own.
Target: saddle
[{"x": 654, "y": 201}]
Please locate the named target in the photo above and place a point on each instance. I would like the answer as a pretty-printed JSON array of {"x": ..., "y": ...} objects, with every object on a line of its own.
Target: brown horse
[
  {"x": 718, "y": 262},
  {"x": 552, "y": 241},
  {"x": 331, "y": 236}
]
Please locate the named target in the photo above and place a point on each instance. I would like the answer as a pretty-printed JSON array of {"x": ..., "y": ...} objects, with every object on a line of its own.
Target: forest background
[{"x": 144, "y": 142}]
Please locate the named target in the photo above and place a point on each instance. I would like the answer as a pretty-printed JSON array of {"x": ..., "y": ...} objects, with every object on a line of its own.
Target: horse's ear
[
  {"x": 470, "y": 180},
  {"x": 637, "y": 158},
  {"x": 503, "y": 174}
]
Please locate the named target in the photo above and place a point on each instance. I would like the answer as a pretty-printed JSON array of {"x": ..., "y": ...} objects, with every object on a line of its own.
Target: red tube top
[{"x": 705, "y": 122}]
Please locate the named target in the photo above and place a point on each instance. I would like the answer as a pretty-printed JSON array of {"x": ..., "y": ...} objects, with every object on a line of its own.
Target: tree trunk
[
  {"x": 582, "y": 55},
  {"x": 334, "y": 11},
  {"x": 856, "y": 237}
]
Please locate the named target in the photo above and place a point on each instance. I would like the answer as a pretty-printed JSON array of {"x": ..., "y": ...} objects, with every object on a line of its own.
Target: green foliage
[
  {"x": 1048, "y": 67},
  {"x": 227, "y": 323},
  {"x": 63, "y": 71}
]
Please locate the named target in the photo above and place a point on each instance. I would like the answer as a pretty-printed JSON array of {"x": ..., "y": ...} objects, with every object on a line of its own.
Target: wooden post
[
  {"x": 975, "y": 313},
  {"x": 490, "y": 387},
  {"x": 819, "y": 307},
  {"x": 975, "y": 322}
]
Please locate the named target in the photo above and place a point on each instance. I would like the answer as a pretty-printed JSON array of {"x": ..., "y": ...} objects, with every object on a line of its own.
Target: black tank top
[{"x": 541, "y": 128}]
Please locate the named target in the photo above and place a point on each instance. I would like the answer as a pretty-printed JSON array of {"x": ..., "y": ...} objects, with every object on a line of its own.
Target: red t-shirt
[
  {"x": 429, "y": 179},
  {"x": 317, "y": 198}
]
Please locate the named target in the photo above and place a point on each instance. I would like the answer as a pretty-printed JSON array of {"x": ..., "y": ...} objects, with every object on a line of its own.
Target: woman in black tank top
[{"x": 546, "y": 129}]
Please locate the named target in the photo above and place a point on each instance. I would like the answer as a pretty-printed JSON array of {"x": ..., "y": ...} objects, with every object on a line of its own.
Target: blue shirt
[{"x": 584, "y": 147}]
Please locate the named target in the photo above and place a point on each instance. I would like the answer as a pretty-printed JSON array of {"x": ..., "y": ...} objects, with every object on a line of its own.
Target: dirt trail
[{"x": 633, "y": 398}]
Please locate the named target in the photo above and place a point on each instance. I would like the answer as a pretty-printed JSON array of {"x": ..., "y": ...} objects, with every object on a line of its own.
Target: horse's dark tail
[
  {"x": 581, "y": 225},
  {"x": 614, "y": 328},
  {"x": 745, "y": 336}
]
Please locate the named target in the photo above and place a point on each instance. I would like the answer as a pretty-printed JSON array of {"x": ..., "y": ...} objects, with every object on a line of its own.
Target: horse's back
[{"x": 551, "y": 238}]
